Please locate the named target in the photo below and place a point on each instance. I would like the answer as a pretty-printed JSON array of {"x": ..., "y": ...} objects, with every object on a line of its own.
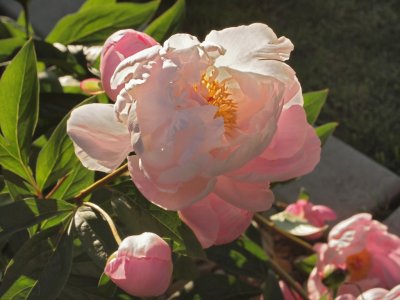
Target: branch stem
[
  {"x": 106, "y": 179},
  {"x": 287, "y": 278},
  {"x": 108, "y": 219},
  {"x": 270, "y": 225}
]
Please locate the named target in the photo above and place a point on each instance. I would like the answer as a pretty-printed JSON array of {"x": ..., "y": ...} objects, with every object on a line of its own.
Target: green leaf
[
  {"x": 325, "y": 131},
  {"x": 307, "y": 264},
  {"x": 95, "y": 235},
  {"x": 271, "y": 289},
  {"x": 241, "y": 257},
  {"x": 313, "y": 103},
  {"x": 19, "y": 102},
  {"x": 78, "y": 179},
  {"x": 295, "y": 225},
  {"x": 168, "y": 23},
  {"x": 185, "y": 268},
  {"x": 10, "y": 28},
  {"x": 41, "y": 267},
  {"x": 61, "y": 151},
  {"x": 139, "y": 215},
  {"x": 94, "y": 25},
  {"x": 19, "y": 215},
  {"x": 9, "y": 46},
  {"x": 90, "y": 3},
  {"x": 218, "y": 287}
]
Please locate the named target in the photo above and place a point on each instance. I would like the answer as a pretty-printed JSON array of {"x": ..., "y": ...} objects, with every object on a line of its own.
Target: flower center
[
  {"x": 216, "y": 94},
  {"x": 358, "y": 265}
]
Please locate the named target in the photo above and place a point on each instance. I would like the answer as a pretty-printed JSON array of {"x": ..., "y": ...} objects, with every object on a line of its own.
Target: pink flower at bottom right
[{"x": 364, "y": 250}]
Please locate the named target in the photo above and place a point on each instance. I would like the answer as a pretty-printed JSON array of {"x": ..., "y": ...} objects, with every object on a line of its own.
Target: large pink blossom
[
  {"x": 224, "y": 116},
  {"x": 365, "y": 250},
  {"x": 142, "y": 265}
]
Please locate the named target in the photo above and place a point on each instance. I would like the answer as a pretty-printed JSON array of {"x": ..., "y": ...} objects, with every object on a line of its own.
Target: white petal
[{"x": 100, "y": 141}]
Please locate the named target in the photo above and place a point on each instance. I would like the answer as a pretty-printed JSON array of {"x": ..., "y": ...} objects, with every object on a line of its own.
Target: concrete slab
[
  {"x": 345, "y": 180},
  {"x": 393, "y": 222}
]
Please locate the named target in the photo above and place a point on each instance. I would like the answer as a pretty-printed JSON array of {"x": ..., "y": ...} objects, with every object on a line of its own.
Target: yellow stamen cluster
[
  {"x": 218, "y": 95},
  {"x": 358, "y": 265}
]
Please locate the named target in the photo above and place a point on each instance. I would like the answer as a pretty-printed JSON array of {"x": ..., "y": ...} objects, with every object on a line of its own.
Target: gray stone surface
[
  {"x": 346, "y": 180},
  {"x": 393, "y": 222},
  {"x": 44, "y": 13}
]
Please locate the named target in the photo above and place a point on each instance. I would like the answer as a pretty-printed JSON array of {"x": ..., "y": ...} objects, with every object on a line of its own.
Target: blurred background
[{"x": 351, "y": 47}]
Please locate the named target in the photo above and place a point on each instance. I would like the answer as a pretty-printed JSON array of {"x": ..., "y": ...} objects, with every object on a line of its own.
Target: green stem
[
  {"x": 26, "y": 16},
  {"x": 106, "y": 179},
  {"x": 108, "y": 219},
  {"x": 264, "y": 221}
]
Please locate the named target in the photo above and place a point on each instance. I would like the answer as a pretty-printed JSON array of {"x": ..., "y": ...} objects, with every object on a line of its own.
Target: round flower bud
[
  {"x": 142, "y": 265},
  {"x": 117, "y": 47}
]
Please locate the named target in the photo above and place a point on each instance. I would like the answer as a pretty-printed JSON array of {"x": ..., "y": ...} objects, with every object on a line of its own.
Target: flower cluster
[
  {"x": 211, "y": 123},
  {"x": 364, "y": 251}
]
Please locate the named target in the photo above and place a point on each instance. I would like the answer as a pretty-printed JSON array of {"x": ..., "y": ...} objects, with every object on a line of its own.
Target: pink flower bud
[
  {"x": 117, "y": 47},
  {"x": 316, "y": 215},
  {"x": 91, "y": 86},
  {"x": 142, "y": 266},
  {"x": 215, "y": 221}
]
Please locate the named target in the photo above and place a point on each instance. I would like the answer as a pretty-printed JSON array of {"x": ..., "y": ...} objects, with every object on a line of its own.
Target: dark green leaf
[
  {"x": 168, "y": 23},
  {"x": 95, "y": 235},
  {"x": 325, "y": 131},
  {"x": 240, "y": 257},
  {"x": 19, "y": 101},
  {"x": 139, "y": 215},
  {"x": 53, "y": 108},
  {"x": 218, "y": 287},
  {"x": 78, "y": 179},
  {"x": 184, "y": 268},
  {"x": 313, "y": 102},
  {"x": 61, "y": 151},
  {"x": 22, "y": 214},
  {"x": 94, "y": 25},
  {"x": 41, "y": 268},
  {"x": 271, "y": 289}
]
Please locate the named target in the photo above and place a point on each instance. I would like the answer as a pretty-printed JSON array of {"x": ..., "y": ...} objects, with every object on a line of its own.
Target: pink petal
[
  {"x": 325, "y": 213},
  {"x": 203, "y": 220},
  {"x": 185, "y": 195},
  {"x": 140, "y": 276},
  {"x": 101, "y": 142},
  {"x": 233, "y": 221},
  {"x": 254, "y": 48},
  {"x": 147, "y": 245},
  {"x": 294, "y": 151},
  {"x": 373, "y": 294},
  {"x": 249, "y": 196},
  {"x": 394, "y": 294}
]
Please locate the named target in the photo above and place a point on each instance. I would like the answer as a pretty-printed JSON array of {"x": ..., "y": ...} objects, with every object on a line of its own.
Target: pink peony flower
[
  {"x": 374, "y": 294},
  {"x": 117, "y": 47},
  {"x": 365, "y": 250},
  {"x": 215, "y": 221},
  {"x": 142, "y": 266},
  {"x": 224, "y": 116},
  {"x": 316, "y": 215}
]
